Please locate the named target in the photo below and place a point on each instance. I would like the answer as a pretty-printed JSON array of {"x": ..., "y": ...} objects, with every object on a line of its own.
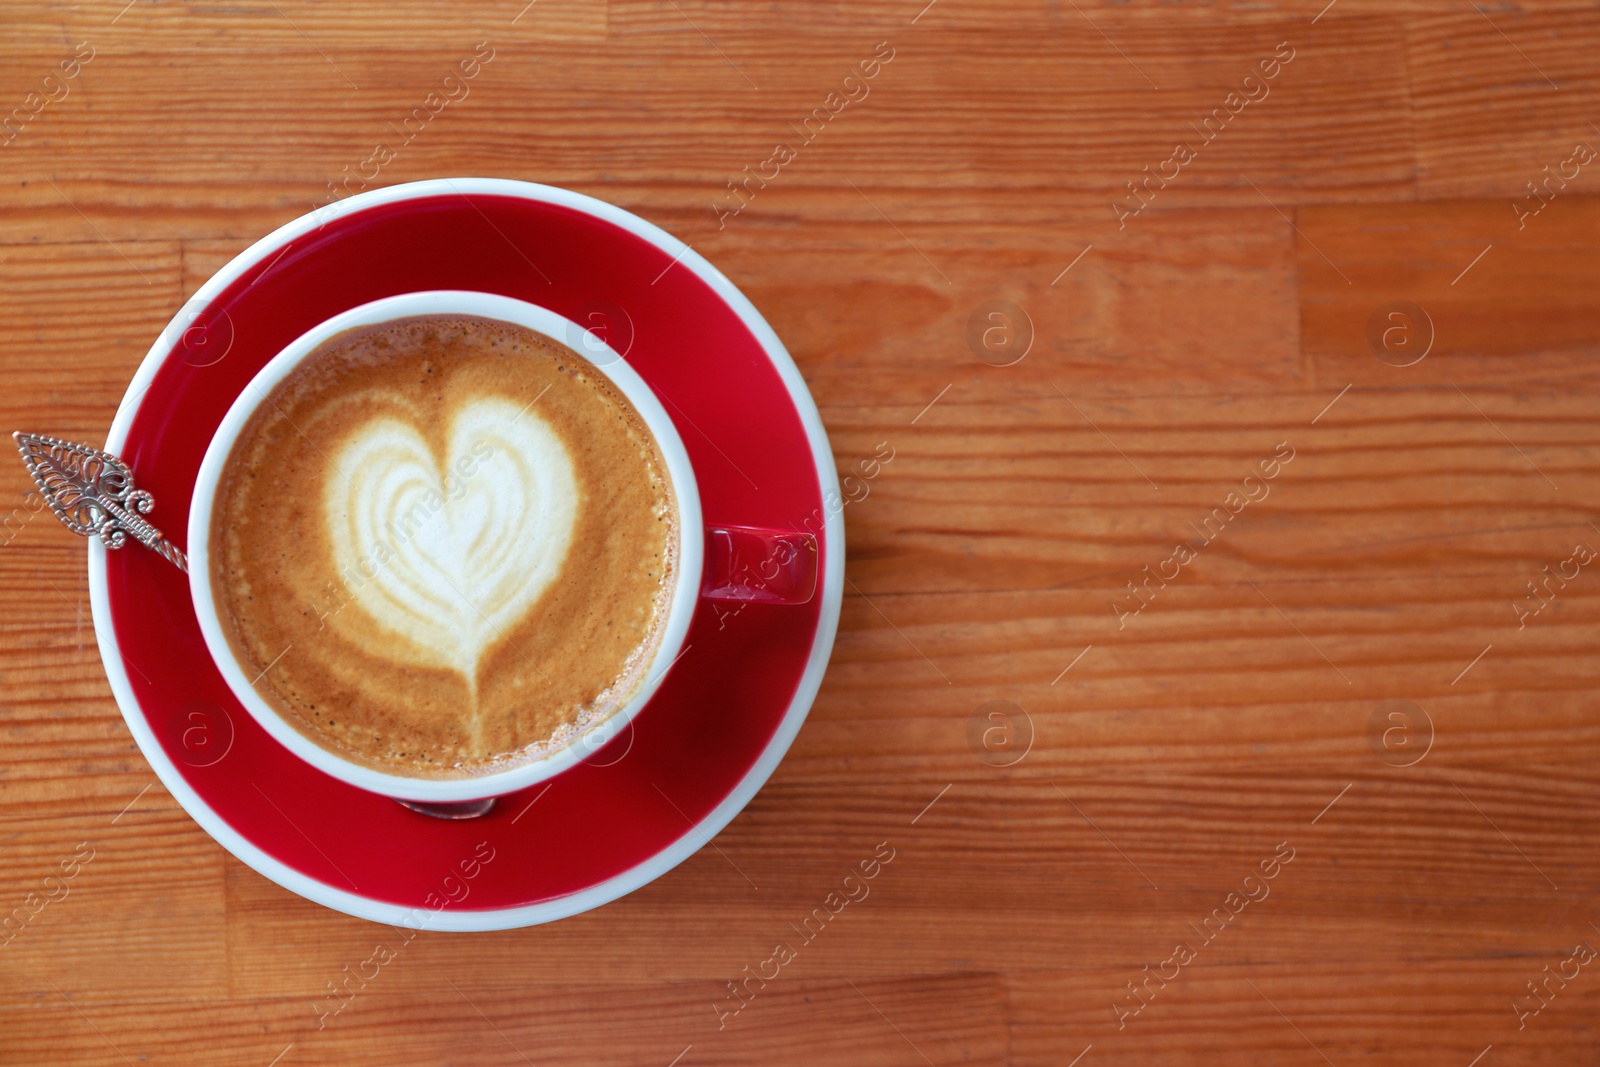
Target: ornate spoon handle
[{"x": 92, "y": 492}]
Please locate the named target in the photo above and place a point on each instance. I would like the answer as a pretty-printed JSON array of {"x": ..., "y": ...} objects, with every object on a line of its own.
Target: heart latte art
[
  {"x": 449, "y": 552},
  {"x": 443, "y": 546}
]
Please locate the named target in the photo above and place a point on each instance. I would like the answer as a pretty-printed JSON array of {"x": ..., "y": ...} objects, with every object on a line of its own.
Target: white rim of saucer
[{"x": 694, "y": 837}]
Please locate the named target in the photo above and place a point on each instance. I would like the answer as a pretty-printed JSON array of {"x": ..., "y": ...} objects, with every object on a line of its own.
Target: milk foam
[{"x": 449, "y": 552}]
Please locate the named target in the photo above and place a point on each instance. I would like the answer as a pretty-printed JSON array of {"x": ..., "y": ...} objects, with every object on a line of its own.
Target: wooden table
[{"x": 1075, "y": 775}]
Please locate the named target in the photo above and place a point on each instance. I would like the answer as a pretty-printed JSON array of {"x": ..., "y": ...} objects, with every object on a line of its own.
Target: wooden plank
[
  {"x": 1055, "y": 496},
  {"x": 1324, "y": 133},
  {"x": 1147, "y": 17},
  {"x": 136, "y": 288},
  {"x": 1501, "y": 303},
  {"x": 1498, "y": 95},
  {"x": 116, "y": 903},
  {"x": 946, "y": 1020},
  {"x": 202, "y": 27},
  {"x": 1233, "y": 1006}
]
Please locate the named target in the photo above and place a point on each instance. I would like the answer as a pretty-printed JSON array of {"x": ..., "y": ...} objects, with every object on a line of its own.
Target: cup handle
[{"x": 758, "y": 566}]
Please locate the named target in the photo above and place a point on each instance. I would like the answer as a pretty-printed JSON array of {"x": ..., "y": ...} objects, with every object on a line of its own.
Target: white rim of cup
[
  {"x": 558, "y": 328},
  {"x": 694, "y": 837}
]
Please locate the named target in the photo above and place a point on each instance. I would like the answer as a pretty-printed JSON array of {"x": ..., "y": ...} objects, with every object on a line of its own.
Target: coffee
[{"x": 443, "y": 546}]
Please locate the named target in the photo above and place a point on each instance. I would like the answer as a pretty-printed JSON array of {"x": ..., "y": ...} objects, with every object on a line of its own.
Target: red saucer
[{"x": 706, "y": 741}]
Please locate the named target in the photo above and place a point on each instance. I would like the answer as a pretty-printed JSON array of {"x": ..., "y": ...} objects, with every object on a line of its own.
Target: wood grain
[
  {"x": 1168, "y": 750},
  {"x": 1324, "y": 131}
]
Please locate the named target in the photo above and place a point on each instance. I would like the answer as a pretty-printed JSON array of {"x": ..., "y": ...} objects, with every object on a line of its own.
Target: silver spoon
[{"x": 92, "y": 492}]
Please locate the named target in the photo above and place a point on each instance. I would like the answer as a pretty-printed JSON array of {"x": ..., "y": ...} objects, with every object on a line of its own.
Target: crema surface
[{"x": 444, "y": 544}]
